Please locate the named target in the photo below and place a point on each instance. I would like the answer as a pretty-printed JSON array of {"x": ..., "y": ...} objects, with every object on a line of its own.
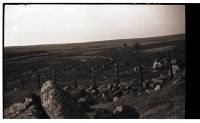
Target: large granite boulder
[
  {"x": 59, "y": 104},
  {"x": 29, "y": 108}
]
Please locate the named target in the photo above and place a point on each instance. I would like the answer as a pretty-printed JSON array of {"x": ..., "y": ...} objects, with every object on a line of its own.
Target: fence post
[
  {"x": 75, "y": 79},
  {"x": 94, "y": 76},
  {"x": 141, "y": 72},
  {"x": 170, "y": 66},
  {"x": 55, "y": 71},
  {"x": 117, "y": 72},
  {"x": 39, "y": 79},
  {"x": 22, "y": 82}
]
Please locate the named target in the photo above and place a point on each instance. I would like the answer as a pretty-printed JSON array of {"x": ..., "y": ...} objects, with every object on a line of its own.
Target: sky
[{"x": 56, "y": 24}]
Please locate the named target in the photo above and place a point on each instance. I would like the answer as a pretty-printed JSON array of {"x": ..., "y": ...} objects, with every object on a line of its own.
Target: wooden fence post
[
  {"x": 39, "y": 79},
  {"x": 55, "y": 79},
  {"x": 170, "y": 66},
  {"x": 94, "y": 76},
  {"x": 117, "y": 72},
  {"x": 75, "y": 77},
  {"x": 22, "y": 82},
  {"x": 141, "y": 72}
]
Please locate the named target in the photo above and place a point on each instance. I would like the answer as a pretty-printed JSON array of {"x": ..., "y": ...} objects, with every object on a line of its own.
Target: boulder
[
  {"x": 104, "y": 114},
  {"x": 59, "y": 104},
  {"x": 126, "y": 112},
  {"x": 29, "y": 108}
]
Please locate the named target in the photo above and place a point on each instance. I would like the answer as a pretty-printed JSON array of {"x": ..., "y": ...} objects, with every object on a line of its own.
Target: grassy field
[{"x": 27, "y": 61}]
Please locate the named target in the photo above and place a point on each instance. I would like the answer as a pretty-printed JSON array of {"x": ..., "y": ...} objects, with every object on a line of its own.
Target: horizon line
[{"x": 96, "y": 40}]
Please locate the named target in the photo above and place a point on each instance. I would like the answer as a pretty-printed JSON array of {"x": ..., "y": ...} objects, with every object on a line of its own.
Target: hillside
[{"x": 108, "y": 73}]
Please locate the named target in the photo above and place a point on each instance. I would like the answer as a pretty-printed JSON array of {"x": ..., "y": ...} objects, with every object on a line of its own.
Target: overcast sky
[{"x": 53, "y": 24}]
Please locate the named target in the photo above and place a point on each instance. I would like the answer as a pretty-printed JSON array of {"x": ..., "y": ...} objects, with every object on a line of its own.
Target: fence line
[{"x": 95, "y": 73}]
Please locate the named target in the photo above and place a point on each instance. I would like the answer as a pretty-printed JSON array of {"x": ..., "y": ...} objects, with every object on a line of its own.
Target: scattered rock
[
  {"x": 156, "y": 64},
  {"x": 175, "y": 69},
  {"x": 157, "y": 81},
  {"x": 65, "y": 88},
  {"x": 30, "y": 108},
  {"x": 139, "y": 94},
  {"x": 115, "y": 99},
  {"x": 126, "y": 112},
  {"x": 157, "y": 87},
  {"x": 147, "y": 91},
  {"x": 104, "y": 114},
  {"x": 173, "y": 61},
  {"x": 59, "y": 104},
  {"x": 84, "y": 104},
  {"x": 163, "y": 77}
]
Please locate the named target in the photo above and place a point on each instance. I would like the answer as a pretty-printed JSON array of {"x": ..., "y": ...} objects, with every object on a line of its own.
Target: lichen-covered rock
[
  {"x": 126, "y": 112},
  {"x": 59, "y": 104},
  {"x": 30, "y": 108},
  {"x": 104, "y": 114}
]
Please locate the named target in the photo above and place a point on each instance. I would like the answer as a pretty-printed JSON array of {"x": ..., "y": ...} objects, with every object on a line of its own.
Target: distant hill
[{"x": 96, "y": 45}]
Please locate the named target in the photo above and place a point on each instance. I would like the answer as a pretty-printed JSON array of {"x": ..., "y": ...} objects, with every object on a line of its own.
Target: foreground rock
[
  {"x": 126, "y": 112},
  {"x": 59, "y": 104},
  {"x": 30, "y": 108},
  {"x": 104, "y": 114}
]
